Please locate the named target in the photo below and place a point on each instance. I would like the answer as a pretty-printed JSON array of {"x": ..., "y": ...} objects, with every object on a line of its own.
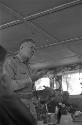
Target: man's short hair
[
  {"x": 27, "y": 40},
  {"x": 3, "y": 53}
]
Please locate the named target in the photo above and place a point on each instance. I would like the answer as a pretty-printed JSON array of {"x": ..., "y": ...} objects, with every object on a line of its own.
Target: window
[
  {"x": 72, "y": 83},
  {"x": 39, "y": 84}
]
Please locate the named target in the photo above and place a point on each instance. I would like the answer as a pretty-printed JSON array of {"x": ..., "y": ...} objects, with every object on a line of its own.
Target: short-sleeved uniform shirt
[{"x": 17, "y": 70}]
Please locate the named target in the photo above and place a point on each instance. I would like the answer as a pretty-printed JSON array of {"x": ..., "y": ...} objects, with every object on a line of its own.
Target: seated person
[{"x": 12, "y": 110}]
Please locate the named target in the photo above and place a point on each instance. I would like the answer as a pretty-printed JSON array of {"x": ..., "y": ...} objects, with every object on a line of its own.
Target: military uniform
[{"x": 21, "y": 73}]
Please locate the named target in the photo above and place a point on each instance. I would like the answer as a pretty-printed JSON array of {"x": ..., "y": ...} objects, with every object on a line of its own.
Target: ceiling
[{"x": 54, "y": 25}]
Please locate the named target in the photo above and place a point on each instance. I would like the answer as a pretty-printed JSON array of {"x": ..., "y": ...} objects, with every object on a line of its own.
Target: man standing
[
  {"x": 12, "y": 110},
  {"x": 18, "y": 70}
]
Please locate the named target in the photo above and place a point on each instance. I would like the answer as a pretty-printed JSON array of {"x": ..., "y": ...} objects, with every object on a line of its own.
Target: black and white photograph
[{"x": 40, "y": 62}]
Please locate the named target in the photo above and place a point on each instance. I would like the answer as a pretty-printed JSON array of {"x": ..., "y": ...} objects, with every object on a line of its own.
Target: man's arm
[
  {"x": 37, "y": 75},
  {"x": 19, "y": 84}
]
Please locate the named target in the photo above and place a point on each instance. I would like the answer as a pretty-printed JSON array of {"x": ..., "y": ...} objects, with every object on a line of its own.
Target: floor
[{"x": 65, "y": 120}]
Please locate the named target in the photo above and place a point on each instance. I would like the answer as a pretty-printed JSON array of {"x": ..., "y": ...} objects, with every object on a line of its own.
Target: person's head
[
  {"x": 3, "y": 54},
  {"x": 27, "y": 49}
]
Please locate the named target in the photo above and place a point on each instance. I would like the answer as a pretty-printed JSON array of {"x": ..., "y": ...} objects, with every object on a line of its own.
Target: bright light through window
[
  {"x": 72, "y": 83},
  {"x": 42, "y": 82}
]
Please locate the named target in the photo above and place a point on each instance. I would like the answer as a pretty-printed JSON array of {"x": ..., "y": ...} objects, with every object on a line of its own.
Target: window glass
[
  {"x": 39, "y": 84},
  {"x": 72, "y": 83}
]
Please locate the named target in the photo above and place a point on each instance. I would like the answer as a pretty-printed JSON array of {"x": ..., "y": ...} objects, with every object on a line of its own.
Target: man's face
[{"x": 27, "y": 50}]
